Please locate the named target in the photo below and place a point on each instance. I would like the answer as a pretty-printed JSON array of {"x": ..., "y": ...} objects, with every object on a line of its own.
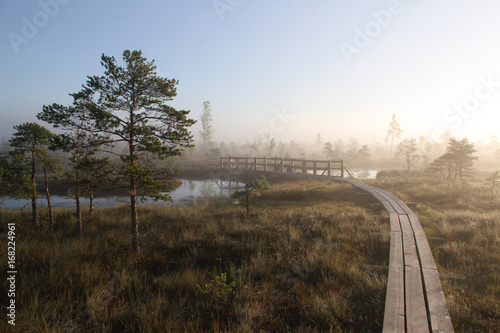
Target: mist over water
[{"x": 188, "y": 192}]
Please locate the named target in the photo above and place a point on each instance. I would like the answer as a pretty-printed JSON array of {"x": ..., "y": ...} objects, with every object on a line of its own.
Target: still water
[
  {"x": 365, "y": 174},
  {"x": 187, "y": 192}
]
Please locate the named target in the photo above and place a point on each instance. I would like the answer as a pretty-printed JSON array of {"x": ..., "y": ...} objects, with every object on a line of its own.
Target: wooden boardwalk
[{"x": 415, "y": 300}]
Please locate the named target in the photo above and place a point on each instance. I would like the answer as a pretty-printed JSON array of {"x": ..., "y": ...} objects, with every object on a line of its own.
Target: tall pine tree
[{"x": 130, "y": 106}]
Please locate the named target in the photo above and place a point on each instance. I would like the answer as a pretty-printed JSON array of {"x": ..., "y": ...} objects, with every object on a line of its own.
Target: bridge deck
[{"x": 414, "y": 299}]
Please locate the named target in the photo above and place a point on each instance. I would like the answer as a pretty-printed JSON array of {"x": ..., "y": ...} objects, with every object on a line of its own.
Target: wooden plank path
[{"x": 415, "y": 300}]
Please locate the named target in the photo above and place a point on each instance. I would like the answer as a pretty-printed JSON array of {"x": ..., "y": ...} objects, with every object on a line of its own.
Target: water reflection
[
  {"x": 187, "y": 192},
  {"x": 365, "y": 174}
]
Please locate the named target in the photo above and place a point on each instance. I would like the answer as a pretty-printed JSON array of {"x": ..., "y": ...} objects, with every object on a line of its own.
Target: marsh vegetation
[{"x": 295, "y": 264}]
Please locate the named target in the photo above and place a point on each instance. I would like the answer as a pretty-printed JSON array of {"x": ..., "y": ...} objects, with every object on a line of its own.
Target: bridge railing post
[{"x": 342, "y": 168}]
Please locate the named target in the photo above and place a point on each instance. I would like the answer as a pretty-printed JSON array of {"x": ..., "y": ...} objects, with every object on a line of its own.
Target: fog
[
  {"x": 290, "y": 70},
  {"x": 278, "y": 71}
]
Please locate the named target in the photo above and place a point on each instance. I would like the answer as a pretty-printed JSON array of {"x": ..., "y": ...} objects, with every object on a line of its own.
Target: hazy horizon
[{"x": 289, "y": 68}]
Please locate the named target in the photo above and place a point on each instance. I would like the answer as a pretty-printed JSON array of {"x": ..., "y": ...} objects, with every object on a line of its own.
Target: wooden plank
[
  {"x": 423, "y": 248},
  {"x": 424, "y": 252},
  {"x": 409, "y": 246},
  {"x": 394, "y": 203},
  {"x": 379, "y": 193},
  {"x": 400, "y": 207},
  {"x": 416, "y": 311},
  {"x": 440, "y": 319},
  {"x": 393, "y": 216},
  {"x": 394, "y": 312},
  {"x": 394, "y": 222},
  {"x": 396, "y": 249}
]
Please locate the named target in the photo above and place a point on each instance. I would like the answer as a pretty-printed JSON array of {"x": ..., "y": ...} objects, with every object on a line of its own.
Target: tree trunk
[
  {"x": 134, "y": 230},
  {"x": 34, "y": 206},
  {"x": 78, "y": 212},
  {"x": 91, "y": 204},
  {"x": 49, "y": 204},
  {"x": 77, "y": 193},
  {"x": 204, "y": 149},
  {"x": 133, "y": 214}
]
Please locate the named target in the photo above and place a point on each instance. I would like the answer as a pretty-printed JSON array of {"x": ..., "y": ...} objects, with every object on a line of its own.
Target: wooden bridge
[
  {"x": 284, "y": 165},
  {"x": 415, "y": 300}
]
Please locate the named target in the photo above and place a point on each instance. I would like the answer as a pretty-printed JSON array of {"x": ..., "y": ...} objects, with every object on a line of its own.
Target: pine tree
[
  {"x": 328, "y": 150},
  {"x": 29, "y": 142},
  {"x": 130, "y": 106},
  {"x": 394, "y": 132},
  {"x": 457, "y": 162},
  {"x": 493, "y": 181},
  {"x": 364, "y": 152},
  {"x": 408, "y": 149}
]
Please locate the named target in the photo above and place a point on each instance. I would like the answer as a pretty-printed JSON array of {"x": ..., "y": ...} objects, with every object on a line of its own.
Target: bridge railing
[{"x": 284, "y": 165}]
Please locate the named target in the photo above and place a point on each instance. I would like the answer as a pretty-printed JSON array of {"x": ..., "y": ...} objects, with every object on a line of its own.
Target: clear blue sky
[{"x": 255, "y": 59}]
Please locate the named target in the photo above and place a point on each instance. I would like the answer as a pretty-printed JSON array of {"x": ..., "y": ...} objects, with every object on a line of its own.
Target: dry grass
[{"x": 295, "y": 263}]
